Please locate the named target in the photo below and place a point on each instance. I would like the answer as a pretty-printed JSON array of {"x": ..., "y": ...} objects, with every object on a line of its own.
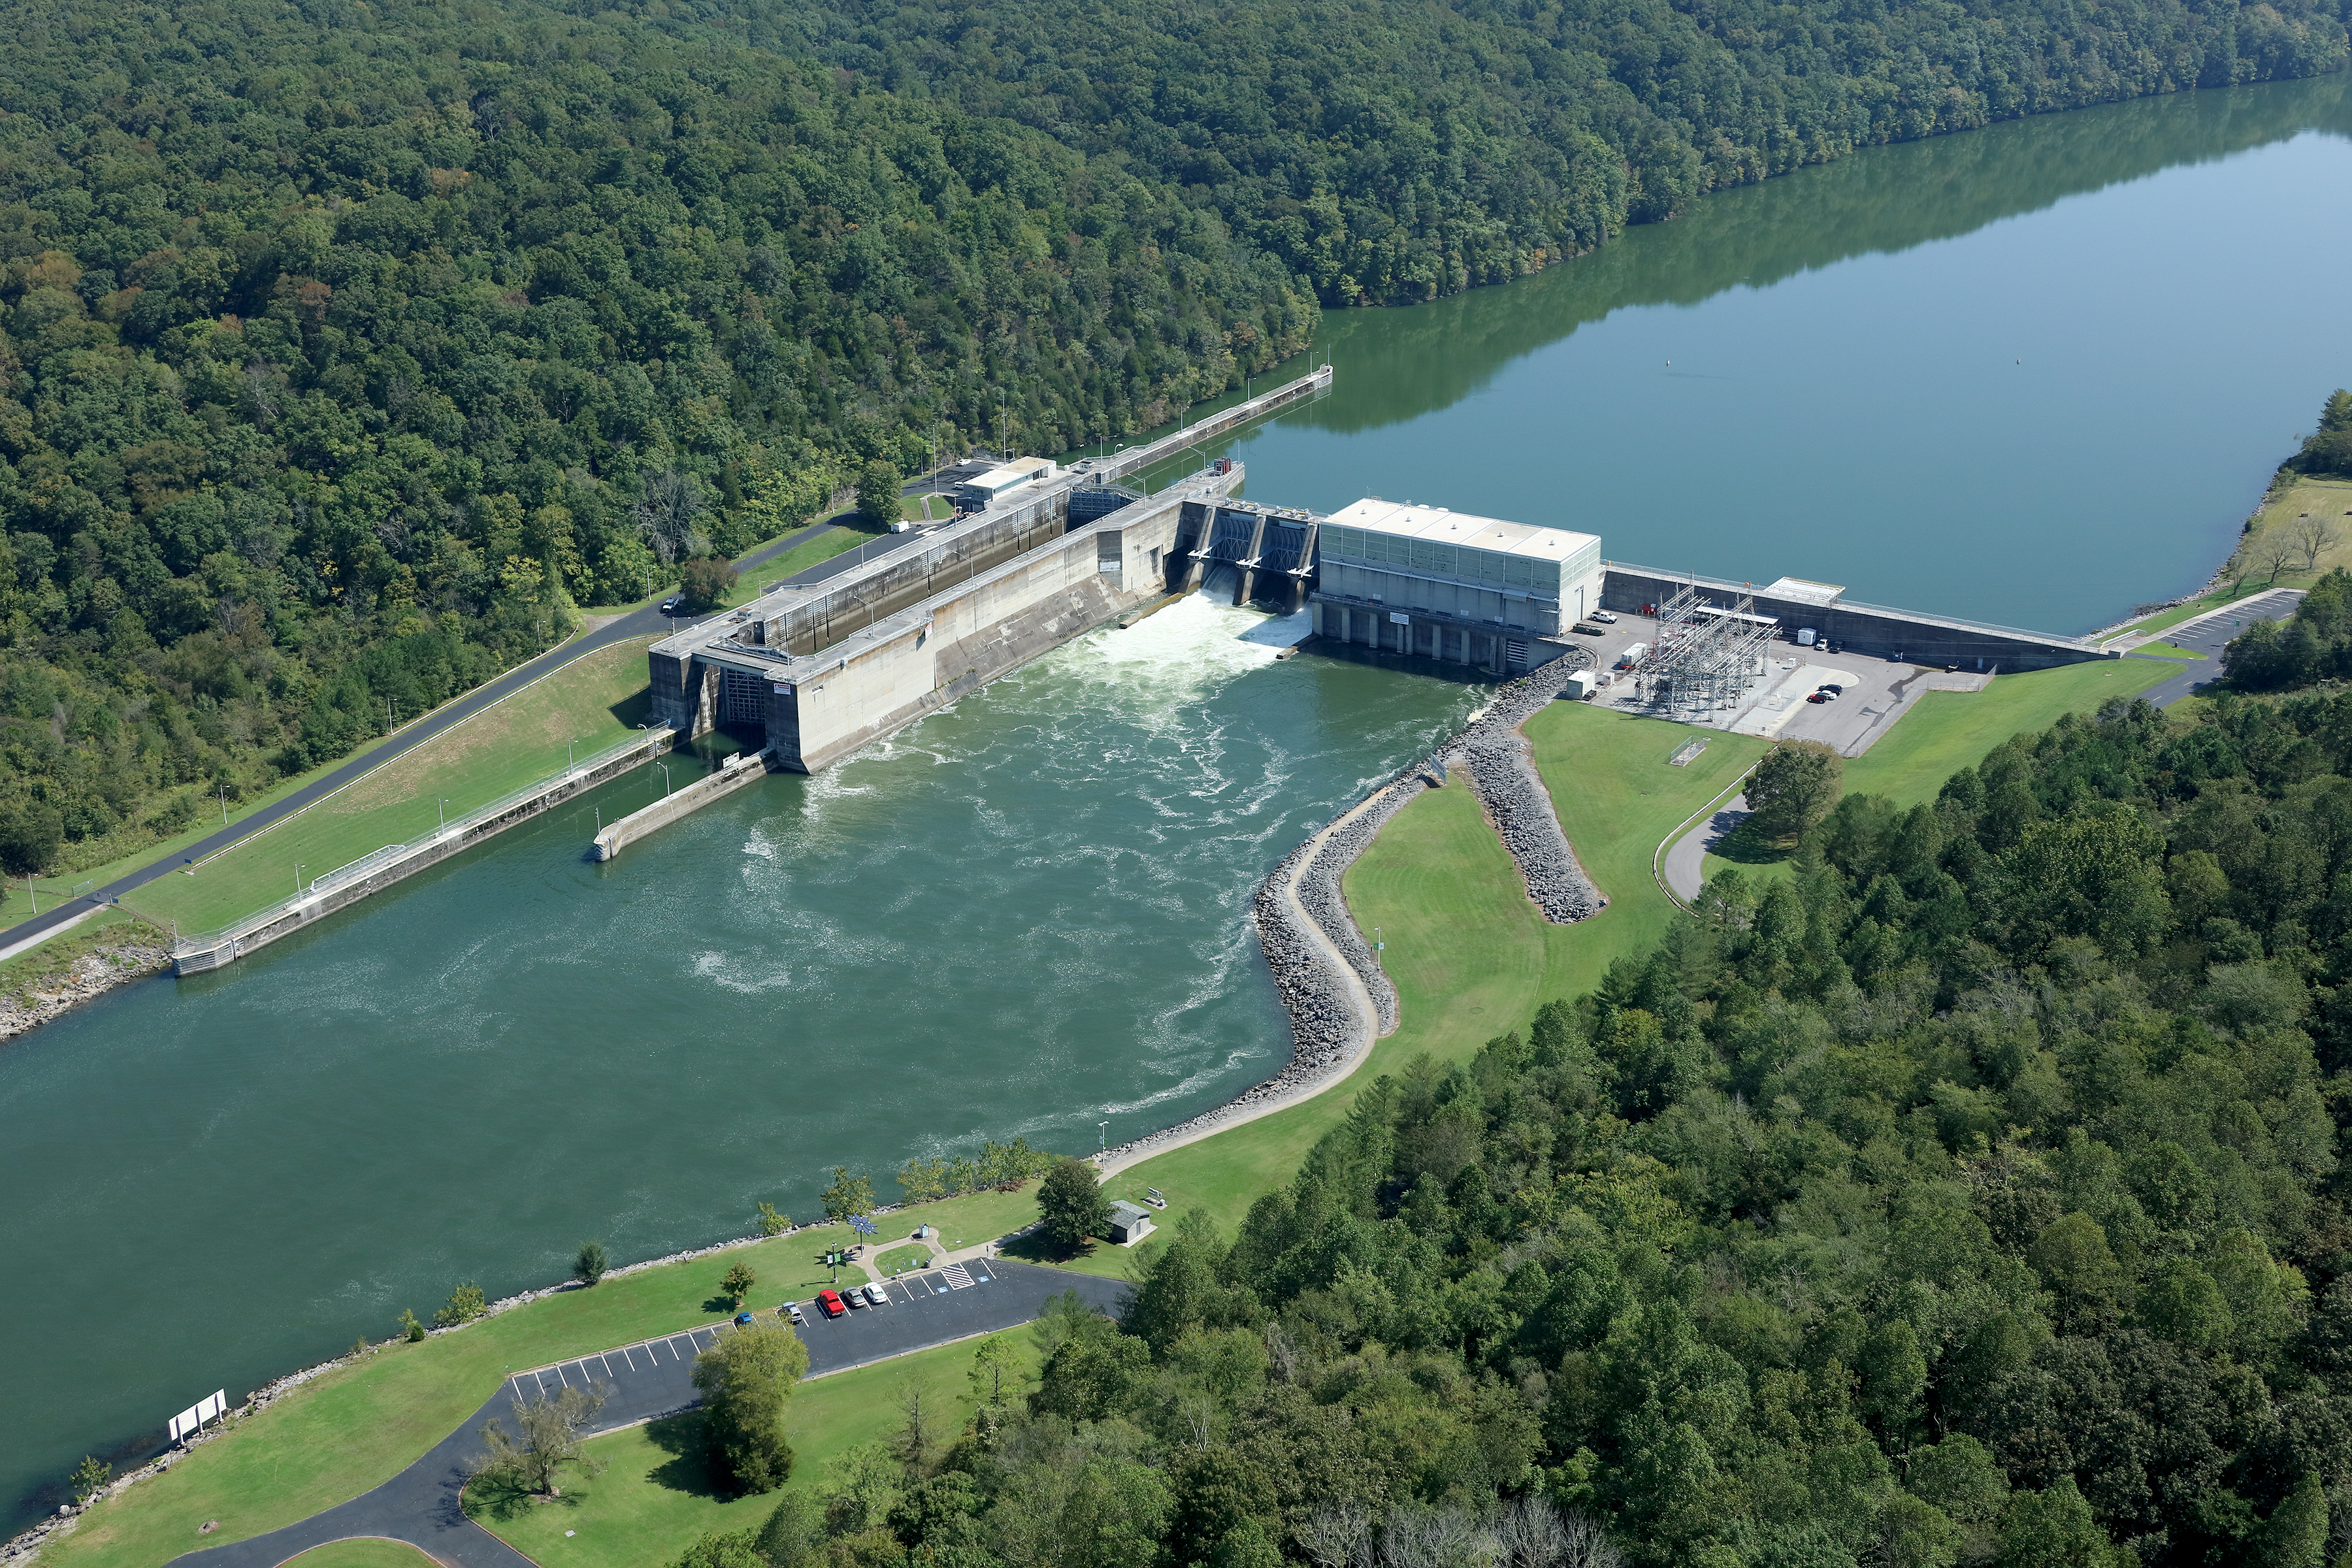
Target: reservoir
[{"x": 2033, "y": 375}]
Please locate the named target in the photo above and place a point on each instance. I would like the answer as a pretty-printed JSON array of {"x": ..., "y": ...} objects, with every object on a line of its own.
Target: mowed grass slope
[
  {"x": 360, "y": 1425},
  {"x": 655, "y": 1496},
  {"x": 363, "y": 1551},
  {"x": 1945, "y": 732},
  {"x": 1471, "y": 956},
  {"x": 590, "y": 703}
]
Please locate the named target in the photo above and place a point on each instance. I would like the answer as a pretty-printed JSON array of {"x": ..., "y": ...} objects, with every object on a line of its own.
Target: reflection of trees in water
[{"x": 1396, "y": 365}]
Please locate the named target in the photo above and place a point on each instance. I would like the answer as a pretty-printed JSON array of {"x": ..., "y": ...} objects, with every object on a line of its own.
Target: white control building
[{"x": 1449, "y": 585}]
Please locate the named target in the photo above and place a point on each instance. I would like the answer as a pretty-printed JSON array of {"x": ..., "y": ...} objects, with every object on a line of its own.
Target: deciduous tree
[{"x": 745, "y": 1378}]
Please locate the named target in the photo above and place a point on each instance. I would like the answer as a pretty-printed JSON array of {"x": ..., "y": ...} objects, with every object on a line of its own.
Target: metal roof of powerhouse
[{"x": 1444, "y": 526}]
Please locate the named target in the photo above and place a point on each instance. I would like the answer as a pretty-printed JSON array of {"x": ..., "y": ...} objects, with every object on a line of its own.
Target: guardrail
[{"x": 400, "y": 858}]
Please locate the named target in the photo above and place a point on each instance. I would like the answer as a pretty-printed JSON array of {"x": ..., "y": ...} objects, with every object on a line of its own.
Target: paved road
[
  {"x": 2209, "y": 634},
  {"x": 1686, "y": 861},
  {"x": 646, "y": 622},
  {"x": 653, "y": 1378}
]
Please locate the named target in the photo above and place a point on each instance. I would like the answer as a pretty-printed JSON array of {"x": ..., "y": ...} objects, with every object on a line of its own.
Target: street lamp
[
  {"x": 298, "y": 877},
  {"x": 445, "y": 814},
  {"x": 1102, "y": 1137},
  {"x": 665, "y": 768}
]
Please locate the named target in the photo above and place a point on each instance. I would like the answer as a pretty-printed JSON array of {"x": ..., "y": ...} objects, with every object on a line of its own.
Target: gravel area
[
  {"x": 1328, "y": 1035},
  {"x": 1502, "y": 772}
]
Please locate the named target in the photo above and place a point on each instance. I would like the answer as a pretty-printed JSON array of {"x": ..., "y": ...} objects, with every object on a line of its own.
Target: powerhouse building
[{"x": 1473, "y": 590}]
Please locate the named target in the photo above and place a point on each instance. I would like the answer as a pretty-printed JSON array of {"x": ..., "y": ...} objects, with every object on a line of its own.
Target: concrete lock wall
[
  {"x": 1874, "y": 630},
  {"x": 234, "y": 943},
  {"x": 887, "y": 677},
  {"x": 732, "y": 774}
]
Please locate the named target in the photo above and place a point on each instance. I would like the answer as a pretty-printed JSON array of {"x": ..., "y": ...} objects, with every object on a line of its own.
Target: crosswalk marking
[{"x": 957, "y": 1276}]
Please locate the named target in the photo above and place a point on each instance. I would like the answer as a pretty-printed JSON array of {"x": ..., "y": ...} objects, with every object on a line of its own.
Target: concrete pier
[{"x": 743, "y": 768}]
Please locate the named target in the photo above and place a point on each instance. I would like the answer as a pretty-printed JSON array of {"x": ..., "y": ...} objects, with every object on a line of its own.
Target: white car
[
  {"x": 793, "y": 1311},
  {"x": 1606, "y": 617},
  {"x": 874, "y": 1293}
]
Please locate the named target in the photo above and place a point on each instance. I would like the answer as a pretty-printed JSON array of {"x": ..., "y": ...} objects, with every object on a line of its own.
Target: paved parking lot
[{"x": 654, "y": 1377}]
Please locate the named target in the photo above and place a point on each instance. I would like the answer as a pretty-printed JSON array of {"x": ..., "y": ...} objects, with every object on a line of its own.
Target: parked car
[
  {"x": 669, "y": 605},
  {"x": 1820, "y": 697},
  {"x": 1606, "y": 617},
  {"x": 1831, "y": 686},
  {"x": 831, "y": 1302},
  {"x": 793, "y": 1311},
  {"x": 875, "y": 1294},
  {"x": 743, "y": 1320},
  {"x": 854, "y": 1296}
]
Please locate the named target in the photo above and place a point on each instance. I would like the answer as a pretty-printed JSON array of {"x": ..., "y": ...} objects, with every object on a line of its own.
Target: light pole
[
  {"x": 665, "y": 768},
  {"x": 298, "y": 877},
  {"x": 224, "y": 795},
  {"x": 1102, "y": 1137},
  {"x": 445, "y": 814}
]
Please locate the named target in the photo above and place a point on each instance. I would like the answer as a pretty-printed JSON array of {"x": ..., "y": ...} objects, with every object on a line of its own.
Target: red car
[{"x": 831, "y": 1302}]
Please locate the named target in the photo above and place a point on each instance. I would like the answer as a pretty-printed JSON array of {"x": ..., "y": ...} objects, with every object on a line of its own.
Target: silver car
[{"x": 874, "y": 1293}]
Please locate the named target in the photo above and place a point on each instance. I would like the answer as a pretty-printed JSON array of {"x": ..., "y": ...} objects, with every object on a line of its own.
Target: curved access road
[{"x": 422, "y": 1505}]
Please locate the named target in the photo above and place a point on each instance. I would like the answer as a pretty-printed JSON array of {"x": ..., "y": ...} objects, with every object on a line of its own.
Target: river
[{"x": 2030, "y": 374}]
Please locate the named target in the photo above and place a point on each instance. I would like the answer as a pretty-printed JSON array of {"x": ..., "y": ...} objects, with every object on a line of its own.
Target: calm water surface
[{"x": 1028, "y": 914}]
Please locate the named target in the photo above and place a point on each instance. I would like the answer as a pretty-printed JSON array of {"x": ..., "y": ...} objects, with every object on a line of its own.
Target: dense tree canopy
[
  {"x": 347, "y": 347},
  {"x": 1970, "y": 1195}
]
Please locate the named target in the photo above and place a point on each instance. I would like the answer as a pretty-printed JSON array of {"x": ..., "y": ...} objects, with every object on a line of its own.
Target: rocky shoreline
[
  {"x": 1329, "y": 1032},
  {"x": 1502, "y": 771},
  {"x": 103, "y": 967},
  {"x": 1327, "y": 1036}
]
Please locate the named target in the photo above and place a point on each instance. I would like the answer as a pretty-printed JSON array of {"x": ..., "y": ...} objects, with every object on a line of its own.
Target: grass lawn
[
  {"x": 2167, "y": 650},
  {"x": 1945, "y": 732},
  {"x": 914, "y": 1255},
  {"x": 16, "y": 903},
  {"x": 654, "y": 1496},
  {"x": 798, "y": 557},
  {"x": 594, "y": 701},
  {"x": 927, "y": 509},
  {"x": 1471, "y": 956},
  {"x": 356, "y": 1427},
  {"x": 54, "y": 956},
  {"x": 362, "y": 1552}
]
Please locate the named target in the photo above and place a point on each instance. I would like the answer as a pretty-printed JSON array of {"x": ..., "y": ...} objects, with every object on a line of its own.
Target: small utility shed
[{"x": 1129, "y": 1224}]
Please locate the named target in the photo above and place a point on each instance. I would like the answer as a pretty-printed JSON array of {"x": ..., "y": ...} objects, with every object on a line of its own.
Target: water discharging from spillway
[
  {"x": 2030, "y": 374},
  {"x": 1027, "y": 914}
]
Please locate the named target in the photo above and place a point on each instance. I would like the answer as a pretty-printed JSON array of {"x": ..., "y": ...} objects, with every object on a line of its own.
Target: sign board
[
  {"x": 195, "y": 1415},
  {"x": 1399, "y": 618}
]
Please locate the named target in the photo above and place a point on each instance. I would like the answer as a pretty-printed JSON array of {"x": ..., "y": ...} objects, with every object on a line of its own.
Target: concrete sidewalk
[{"x": 650, "y": 1379}]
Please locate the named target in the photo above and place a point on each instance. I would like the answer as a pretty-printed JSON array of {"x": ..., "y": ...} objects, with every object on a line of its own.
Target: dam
[{"x": 810, "y": 673}]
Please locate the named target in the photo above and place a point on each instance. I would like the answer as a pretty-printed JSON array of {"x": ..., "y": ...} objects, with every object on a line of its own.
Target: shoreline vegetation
[
  {"x": 1387, "y": 882},
  {"x": 1388, "y": 877}
]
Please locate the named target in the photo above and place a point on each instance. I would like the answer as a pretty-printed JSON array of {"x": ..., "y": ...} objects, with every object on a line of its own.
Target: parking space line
[
  {"x": 607, "y": 1361},
  {"x": 625, "y": 1356},
  {"x": 561, "y": 1380},
  {"x": 984, "y": 1274}
]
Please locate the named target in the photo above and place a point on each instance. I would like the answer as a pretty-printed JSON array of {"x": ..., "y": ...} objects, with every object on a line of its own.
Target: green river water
[{"x": 2033, "y": 374}]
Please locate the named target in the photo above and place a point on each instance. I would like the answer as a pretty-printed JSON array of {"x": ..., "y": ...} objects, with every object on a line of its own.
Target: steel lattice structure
[{"x": 1705, "y": 656}]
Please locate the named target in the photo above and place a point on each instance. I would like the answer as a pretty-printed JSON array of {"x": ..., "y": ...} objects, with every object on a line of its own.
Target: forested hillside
[
  {"x": 1971, "y": 1197},
  {"x": 1397, "y": 150},
  {"x": 347, "y": 347}
]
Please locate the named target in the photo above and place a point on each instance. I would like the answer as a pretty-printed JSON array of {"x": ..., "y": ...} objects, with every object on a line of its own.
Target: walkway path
[{"x": 650, "y": 1379}]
